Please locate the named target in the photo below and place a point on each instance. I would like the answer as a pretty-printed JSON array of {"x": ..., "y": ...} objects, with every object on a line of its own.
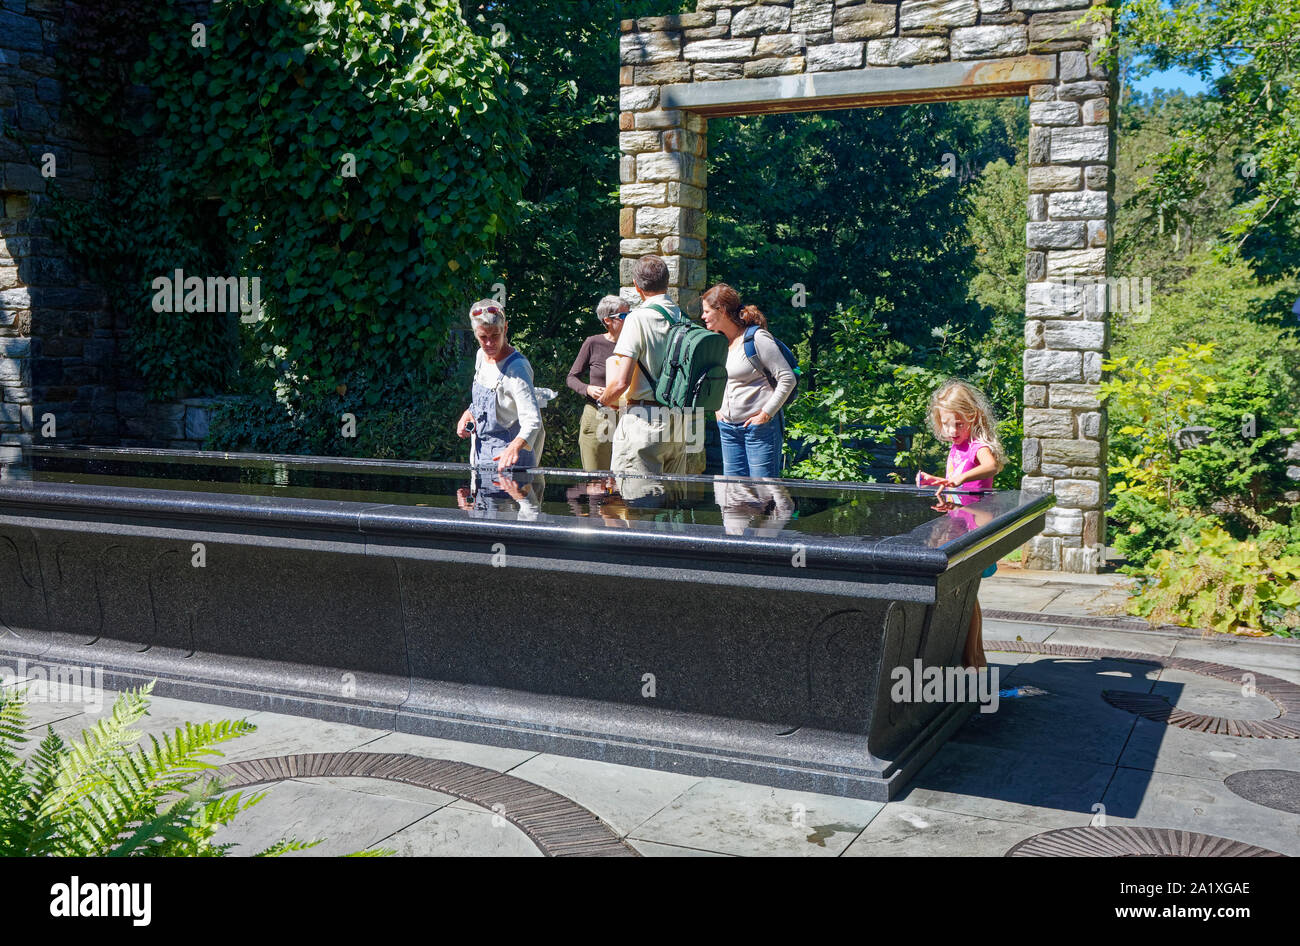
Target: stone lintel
[{"x": 853, "y": 88}]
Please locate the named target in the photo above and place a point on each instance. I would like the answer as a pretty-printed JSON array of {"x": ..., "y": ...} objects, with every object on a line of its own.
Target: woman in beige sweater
[{"x": 749, "y": 422}]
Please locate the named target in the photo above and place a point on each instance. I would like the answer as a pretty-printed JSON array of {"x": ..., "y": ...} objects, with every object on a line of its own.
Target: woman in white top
[
  {"x": 503, "y": 416},
  {"x": 750, "y": 422}
]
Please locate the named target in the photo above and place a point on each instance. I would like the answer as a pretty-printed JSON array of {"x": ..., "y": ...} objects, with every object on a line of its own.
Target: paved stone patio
[{"x": 1061, "y": 757}]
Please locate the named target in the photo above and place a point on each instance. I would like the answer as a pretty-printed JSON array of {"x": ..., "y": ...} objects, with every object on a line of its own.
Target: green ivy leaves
[{"x": 362, "y": 163}]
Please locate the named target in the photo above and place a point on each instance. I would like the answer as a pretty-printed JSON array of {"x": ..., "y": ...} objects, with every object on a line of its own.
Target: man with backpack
[{"x": 667, "y": 366}]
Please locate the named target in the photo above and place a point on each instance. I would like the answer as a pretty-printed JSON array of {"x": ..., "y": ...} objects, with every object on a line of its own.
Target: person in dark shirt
[{"x": 596, "y": 436}]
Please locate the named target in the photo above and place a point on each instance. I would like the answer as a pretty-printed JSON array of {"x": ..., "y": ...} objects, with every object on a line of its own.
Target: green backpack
[{"x": 695, "y": 368}]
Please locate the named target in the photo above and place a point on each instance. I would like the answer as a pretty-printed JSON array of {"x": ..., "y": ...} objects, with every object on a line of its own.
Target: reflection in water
[
  {"x": 513, "y": 494},
  {"x": 963, "y": 513},
  {"x": 765, "y": 506},
  {"x": 851, "y": 513}
]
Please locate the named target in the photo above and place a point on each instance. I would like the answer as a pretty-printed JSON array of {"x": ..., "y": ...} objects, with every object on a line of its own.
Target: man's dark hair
[{"x": 650, "y": 274}]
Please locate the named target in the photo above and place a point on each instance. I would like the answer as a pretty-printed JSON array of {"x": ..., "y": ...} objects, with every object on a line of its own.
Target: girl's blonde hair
[{"x": 968, "y": 401}]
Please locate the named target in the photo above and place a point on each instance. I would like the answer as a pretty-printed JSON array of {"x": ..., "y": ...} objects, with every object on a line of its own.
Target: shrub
[
  {"x": 1218, "y": 582},
  {"x": 1141, "y": 528},
  {"x": 411, "y": 416}
]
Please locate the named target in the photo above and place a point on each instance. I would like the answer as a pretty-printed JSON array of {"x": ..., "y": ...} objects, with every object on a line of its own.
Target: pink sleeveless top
[{"x": 961, "y": 459}]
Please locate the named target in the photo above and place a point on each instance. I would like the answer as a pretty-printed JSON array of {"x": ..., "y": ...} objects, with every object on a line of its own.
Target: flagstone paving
[{"x": 1057, "y": 756}]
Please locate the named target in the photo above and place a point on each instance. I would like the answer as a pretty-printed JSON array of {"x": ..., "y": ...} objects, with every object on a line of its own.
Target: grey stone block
[
  {"x": 812, "y": 16},
  {"x": 774, "y": 67},
  {"x": 1056, "y": 235},
  {"x": 718, "y": 71},
  {"x": 654, "y": 47},
  {"x": 1091, "y": 262},
  {"x": 864, "y": 22},
  {"x": 1074, "y": 395},
  {"x": 1078, "y": 205},
  {"x": 1046, "y": 365},
  {"x": 636, "y": 98},
  {"x": 989, "y": 42},
  {"x": 788, "y": 44},
  {"x": 835, "y": 56},
  {"x": 1054, "y": 178},
  {"x": 1071, "y": 452},
  {"x": 937, "y": 14},
  {"x": 719, "y": 50},
  {"x": 1054, "y": 113},
  {"x": 1089, "y": 336},
  {"x": 753, "y": 21},
  {"x": 1082, "y": 144},
  {"x": 1078, "y": 494},
  {"x": 1045, "y": 422},
  {"x": 21, "y": 33},
  {"x": 906, "y": 50}
]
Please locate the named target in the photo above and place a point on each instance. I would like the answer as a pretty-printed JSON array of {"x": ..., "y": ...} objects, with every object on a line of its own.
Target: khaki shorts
[
  {"x": 596, "y": 437},
  {"x": 642, "y": 447}
]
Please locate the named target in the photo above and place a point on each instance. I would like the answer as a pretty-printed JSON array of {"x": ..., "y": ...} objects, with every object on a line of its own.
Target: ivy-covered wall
[{"x": 350, "y": 163}]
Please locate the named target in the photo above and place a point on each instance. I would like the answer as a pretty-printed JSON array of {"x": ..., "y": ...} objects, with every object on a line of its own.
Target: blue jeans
[{"x": 752, "y": 451}]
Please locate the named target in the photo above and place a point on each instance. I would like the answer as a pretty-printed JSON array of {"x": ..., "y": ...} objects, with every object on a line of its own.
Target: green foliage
[
  {"x": 885, "y": 383},
  {"x": 996, "y": 218},
  {"x": 147, "y": 222},
  {"x": 1240, "y": 470},
  {"x": 1252, "y": 110},
  {"x": 411, "y": 416},
  {"x": 1167, "y": 236},
  {"x": 842, "y": 202},
  {"x": 108, "y": 797},
  {"x": 366, "y": 158},
  {"x": 910, "y": 275},
  {"x": 1203, "y": 298},
  {"x": 562, "y": 254},
  {"x": 360, "y": 159},
  {"x": 1141, "y": 528},
  {"x": 1231, "y": 586},
  {"x": 1204, "y": 527},
  {"x": 1148, "y": 405}
]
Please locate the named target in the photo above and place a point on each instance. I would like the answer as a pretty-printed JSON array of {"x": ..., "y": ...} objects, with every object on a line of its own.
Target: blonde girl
[{"x": 961, "y": 414}]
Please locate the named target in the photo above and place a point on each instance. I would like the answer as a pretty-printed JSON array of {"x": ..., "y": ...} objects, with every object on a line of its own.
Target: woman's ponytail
[{"x": 750, "y": 315}]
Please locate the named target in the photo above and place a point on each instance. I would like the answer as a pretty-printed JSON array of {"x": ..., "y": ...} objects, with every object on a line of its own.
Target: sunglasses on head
[{"x": 480, "y": 309}]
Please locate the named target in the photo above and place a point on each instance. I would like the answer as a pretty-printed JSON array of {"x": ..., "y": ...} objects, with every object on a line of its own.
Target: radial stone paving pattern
[
  {"x": 1284, "y": 694},
  {"x": 1124, "y": 841},
  {"x": 558, "y": 826}
]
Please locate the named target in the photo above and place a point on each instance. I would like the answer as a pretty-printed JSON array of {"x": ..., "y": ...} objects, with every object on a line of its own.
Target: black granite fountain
[{"x": 739, "y": 628}]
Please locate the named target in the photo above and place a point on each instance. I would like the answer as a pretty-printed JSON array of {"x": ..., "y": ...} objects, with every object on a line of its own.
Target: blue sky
[{"x": 1171, "y": 80}]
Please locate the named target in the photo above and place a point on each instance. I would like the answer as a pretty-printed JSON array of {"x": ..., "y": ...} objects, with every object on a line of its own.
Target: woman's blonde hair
[{"x": 968, "y": 401}]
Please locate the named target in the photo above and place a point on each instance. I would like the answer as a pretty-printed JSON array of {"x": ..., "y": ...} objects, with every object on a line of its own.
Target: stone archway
[{"x": 740, "y": 57}]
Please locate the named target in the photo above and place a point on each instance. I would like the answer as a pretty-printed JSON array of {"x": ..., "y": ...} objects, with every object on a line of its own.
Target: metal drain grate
[
  {"x": 1272, "y": 788},
  {"x": 1284, "y": 694},
  {"x": 1123, "y": 841},
  {"x": 559, "y": 826}
]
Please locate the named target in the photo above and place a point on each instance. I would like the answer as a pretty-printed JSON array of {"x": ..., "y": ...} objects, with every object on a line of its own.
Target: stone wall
[
  {"x": 882, "y": 50},
  {"x": 60, "y": 344}
]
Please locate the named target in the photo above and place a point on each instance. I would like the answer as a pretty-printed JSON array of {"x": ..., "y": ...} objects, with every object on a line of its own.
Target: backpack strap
[
  {"x": 653, "y": 382},
  {"x": 751, "y": 352},
  {"x": 662, "y": 311}
]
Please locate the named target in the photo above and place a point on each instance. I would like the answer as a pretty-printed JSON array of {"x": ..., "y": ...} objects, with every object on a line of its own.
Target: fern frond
[
  {"x": 285, "y": 845},
  {"x": 13, "y": 725}
]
